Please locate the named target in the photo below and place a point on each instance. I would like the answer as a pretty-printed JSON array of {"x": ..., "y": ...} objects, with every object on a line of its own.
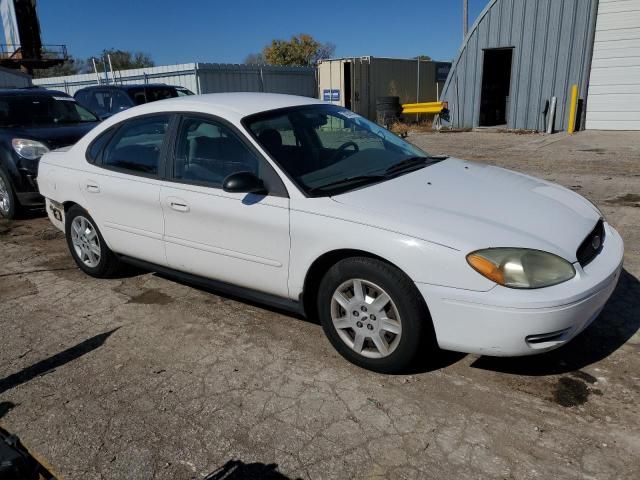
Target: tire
[
  {"x": 403, "y": 323},
  {"x": 9, "y": 206},
  {"x": 87, "y": 245}
]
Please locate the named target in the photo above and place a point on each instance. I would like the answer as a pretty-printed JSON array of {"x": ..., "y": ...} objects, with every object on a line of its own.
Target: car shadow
[
  {"x": 238, "y": 470},
  {"x": 617, "y": 323}
]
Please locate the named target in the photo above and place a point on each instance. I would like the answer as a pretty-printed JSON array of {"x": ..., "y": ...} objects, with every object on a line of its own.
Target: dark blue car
[{"x": 32, "y": 122}]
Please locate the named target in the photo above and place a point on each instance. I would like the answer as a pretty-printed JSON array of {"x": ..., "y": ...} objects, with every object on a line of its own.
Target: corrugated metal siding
[
  {"x": 614, "y": 90},
  {"x": 178, "y": 75},
  {"x": 256, "y": 78},
  {"x": 204, "y": 78},
  {"x": 13, "y": 79},
  {"x": 551, "y": 41}
]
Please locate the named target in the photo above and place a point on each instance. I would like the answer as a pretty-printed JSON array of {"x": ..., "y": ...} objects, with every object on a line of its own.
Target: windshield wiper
[
  {"x": 364, "y": 179},
  {"x": 413, "y": 163}
]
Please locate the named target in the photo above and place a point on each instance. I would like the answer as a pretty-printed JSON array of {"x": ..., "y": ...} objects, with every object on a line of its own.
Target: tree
[
  {"x": 122, "y": 60},
  {"x": 71, "y": 66},
  {"x": 301, "y": 50},
  {"x": 255, "y": 59}
]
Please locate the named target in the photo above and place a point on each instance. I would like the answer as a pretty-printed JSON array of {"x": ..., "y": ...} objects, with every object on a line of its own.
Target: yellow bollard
[{"x": 573, "y": 110}]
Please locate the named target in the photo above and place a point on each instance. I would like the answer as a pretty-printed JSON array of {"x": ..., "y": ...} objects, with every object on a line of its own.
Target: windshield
[
  {"x": 41, "y": 110},
  {"x": 151, "y": 94},
  {"x": 327, "y": 149}
]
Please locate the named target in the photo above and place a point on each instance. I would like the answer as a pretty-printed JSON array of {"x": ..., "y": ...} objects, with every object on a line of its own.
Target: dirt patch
[
  {"x": 48, "y": 234},
  {"x": 151, "y": 297},
  {"x": 11, "y": 288},
  {"x": 5, "y": 227},
  {"x": 627, "y": 200}
]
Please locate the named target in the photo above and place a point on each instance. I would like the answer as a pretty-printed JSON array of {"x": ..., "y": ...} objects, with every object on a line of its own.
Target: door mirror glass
[{"x": 243, "y": 182}]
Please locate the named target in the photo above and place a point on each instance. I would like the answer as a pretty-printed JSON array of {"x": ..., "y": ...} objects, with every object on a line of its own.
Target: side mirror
[{"x": 243, "y": 182}]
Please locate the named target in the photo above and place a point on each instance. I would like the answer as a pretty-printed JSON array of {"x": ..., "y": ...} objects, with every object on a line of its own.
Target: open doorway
[
  {"x": 496, "y": 82},
  {"x": 347, "y": 85}
]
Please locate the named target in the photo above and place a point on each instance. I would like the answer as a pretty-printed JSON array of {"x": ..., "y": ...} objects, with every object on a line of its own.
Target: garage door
[{"x": 614, "y": 88}]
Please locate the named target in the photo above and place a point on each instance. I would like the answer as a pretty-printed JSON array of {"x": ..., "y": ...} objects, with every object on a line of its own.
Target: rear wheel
[
  {"x": 8, "y": 202},
  {"x": 87, "y": 246},
  {"x": 373, "y": 314}
]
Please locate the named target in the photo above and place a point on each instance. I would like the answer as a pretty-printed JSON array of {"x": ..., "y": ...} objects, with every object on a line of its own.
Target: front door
[{"x": 242, "y": 239}]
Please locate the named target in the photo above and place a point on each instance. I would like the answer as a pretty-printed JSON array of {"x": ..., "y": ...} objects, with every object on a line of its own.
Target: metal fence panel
[{"x": 202, "y": 78}]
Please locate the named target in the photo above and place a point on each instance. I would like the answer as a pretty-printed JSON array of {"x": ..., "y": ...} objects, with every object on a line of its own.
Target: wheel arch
[{"x": 321, "y": 265}]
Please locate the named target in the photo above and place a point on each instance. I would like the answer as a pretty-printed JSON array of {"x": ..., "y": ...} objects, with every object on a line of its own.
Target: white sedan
[{"x": 309, "y": 207}]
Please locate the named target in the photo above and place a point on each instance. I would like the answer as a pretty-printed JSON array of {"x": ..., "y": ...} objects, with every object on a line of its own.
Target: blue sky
[{"x": 175, "y": 31}]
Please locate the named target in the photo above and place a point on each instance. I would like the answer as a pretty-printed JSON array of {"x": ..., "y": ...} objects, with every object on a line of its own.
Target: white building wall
[{"x": 614, "y": 88}]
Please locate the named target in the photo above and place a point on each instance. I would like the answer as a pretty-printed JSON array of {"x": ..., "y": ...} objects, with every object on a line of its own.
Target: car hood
[
  {"x": 55, "y": 136},
  {"x": 469, "y": 206}
]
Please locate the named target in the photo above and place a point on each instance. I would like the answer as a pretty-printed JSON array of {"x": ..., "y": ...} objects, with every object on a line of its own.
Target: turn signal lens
[
  {"x": 521, "y": 267},
  {"x": 486, "y": 268}
]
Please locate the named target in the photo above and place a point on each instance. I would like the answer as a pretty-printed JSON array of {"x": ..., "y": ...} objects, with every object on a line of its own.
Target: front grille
[{"x": 592, "y": 245}]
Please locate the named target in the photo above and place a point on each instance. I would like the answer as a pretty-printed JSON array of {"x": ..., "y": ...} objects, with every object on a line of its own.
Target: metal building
[
  {"x": 614, "y": 86},
  {"x": 516, "y": 57},
  {"x": 357, "y": 82},
  {"x": 13, "y": 79},
  {"x": 201, "y": 78}
]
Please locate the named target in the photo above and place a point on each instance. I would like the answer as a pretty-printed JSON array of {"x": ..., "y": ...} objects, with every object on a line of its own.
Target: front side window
[
  {"x": 207, "y": 152},
  {"x": 41, "y": 110},
  {"x": 137, "y": 144},
  {"x": 327, "y": 149}
]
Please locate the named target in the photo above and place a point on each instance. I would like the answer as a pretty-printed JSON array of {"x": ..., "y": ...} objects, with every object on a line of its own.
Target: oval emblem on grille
[{"x": 596, "y": 242}]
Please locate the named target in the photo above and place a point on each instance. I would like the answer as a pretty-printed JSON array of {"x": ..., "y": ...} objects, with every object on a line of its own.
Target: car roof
[
  {"x": 240, "y": 104},
  {"x": 129, "y": 86},
  {"x": 31, "y": 91}
]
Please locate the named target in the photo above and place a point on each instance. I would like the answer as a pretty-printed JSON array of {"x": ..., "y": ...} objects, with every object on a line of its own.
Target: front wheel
[
  {"x": 87, "y": 246},
  {"x": 373, "y": 315},
  {"x": 8, "y": 202}
]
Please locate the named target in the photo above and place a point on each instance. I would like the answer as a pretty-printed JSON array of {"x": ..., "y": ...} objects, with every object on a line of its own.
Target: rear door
[
  {"x": 122, "y": 191},
  {"x": 242, "y": 239}
]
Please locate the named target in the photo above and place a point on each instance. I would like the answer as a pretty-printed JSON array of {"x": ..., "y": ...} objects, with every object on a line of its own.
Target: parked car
[
  {"x": 32, "y": 122},
  {"x": 307, "y": 206},
  {"x": 107, "y": 100}
]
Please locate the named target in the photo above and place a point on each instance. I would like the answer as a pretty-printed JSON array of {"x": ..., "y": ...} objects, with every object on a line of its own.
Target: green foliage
[
  {"x": 71, "y": 66},
  {"x": 122, "y": 60},
  {"x": 301, "y": 50}
]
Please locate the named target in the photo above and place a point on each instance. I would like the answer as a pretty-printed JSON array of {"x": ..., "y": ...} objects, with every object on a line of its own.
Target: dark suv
[
  {"x": 107, "y": 100},
  {"x": 32, "y": 122}
]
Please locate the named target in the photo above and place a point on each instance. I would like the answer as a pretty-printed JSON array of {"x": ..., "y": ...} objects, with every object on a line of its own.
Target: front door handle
[
  {"x": 178, "y": 204},
  {"x": 93, "y": 188}
]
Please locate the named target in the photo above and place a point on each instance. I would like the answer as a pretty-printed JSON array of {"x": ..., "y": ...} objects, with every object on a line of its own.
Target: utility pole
[{"x": 465, "y": 18}]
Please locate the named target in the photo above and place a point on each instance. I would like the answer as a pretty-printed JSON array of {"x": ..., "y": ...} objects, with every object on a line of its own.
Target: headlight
[
  {"x": 521, "y": 267},
  {"x": 29, "y": 149}
]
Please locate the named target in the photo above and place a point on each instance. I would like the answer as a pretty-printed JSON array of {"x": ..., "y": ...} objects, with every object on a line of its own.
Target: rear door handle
[{"x": 93, "y": 188}]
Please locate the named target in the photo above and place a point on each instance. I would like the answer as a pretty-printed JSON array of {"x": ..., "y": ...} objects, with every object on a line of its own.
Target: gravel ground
[{"x": 142, "y": 377}]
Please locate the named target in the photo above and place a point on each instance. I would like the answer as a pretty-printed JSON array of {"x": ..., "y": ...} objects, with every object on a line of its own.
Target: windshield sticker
[
  {"x": 65, "y": 99},
  {"x": 348, "y": 114}
]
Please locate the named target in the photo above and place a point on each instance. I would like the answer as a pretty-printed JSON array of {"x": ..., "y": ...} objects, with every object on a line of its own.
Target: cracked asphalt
[{"x": 143, "y": 377}]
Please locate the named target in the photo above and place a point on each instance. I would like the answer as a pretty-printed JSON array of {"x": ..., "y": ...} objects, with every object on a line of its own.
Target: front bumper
[
  {"x": 27, "y": 190},
  {"x": 510, "y": 322}
]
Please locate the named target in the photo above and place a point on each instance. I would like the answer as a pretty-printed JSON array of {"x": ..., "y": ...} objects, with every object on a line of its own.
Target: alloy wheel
[
  {"x": 5, "y": 198},
  {"x": 366, "y": 318},
  {"x": 86, "y": 242}
]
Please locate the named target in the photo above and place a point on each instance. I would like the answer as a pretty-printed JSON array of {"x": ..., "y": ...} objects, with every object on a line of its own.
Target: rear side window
[
  {"x": 137, "y": 144},
  {"x": 95, "y": 149}
]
